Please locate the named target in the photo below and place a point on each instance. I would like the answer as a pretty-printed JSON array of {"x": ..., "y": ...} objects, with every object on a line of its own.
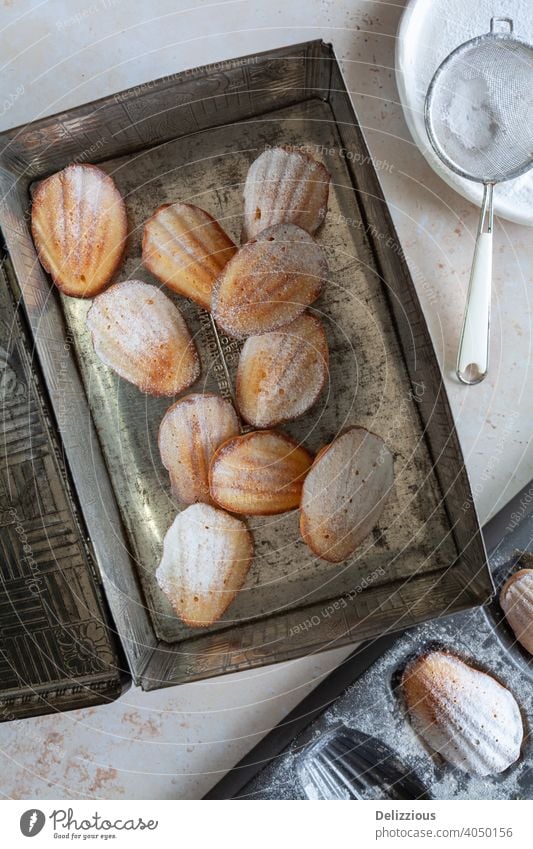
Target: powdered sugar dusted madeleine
[
  {"x": 281, "y": 374},
  {"x": 516, "y": 600},
  {"x": 259, "y": 473},
  {"x": 79, "y": 226},
  {"x": 464, "y": 714},
  {"x": 345, "y": 492},
  {"x": 269, "y": 282},
  {"x": 139, "y": 333},
  {"x": 185, "y": 248},
  {"x": 189, "y": 434},
  {"x": 285, "y": 186},
  {"x": 206, "y": 556}
]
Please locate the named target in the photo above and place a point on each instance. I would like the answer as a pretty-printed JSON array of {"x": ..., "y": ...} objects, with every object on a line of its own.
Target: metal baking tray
[
  {"x": 361, "y": 691},
  {"x": 373, "y": 705},
  {"x": 192, "y": 137},
  {"x": 57, "y": 647}
]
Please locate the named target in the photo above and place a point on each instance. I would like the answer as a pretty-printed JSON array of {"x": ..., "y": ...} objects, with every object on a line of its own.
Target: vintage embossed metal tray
[{"x": 192, "y": 137}]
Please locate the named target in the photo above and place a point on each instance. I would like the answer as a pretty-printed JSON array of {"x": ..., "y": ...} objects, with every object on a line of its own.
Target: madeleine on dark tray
[
  {"x": 285, "y": 186},
  {"x": 206, "y": 556},
  {"x": 185, "y": 248},
  {"x": 139, "y": 333},
  {"x": 189, "y": 434},
  {"x": 516, "y": 600},
  {"x": 282, "y": 373},
  {"x": 345, "y": 493},
  {"x": 259, "y": 473},
  {"x": 467, "y": 716},
  {"x": 79, "y": 227},
  {"x": 269, "y": 282}
]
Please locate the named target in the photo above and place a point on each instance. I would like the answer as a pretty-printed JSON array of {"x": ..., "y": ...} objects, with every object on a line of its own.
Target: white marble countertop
[{"x": 177, "y": 742}]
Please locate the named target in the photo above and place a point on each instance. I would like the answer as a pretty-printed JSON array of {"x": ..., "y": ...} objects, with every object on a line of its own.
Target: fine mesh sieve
[{"x": 478, "y": 114}]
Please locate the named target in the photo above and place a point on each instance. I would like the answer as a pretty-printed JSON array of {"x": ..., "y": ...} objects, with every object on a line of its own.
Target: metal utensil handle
[{"x": 473, "y": 359}]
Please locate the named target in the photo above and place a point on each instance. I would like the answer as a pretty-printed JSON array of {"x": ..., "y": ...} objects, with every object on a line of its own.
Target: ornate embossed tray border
[
  {"x": 150, "y": 115},
  {"x": 57, "y": 646}
]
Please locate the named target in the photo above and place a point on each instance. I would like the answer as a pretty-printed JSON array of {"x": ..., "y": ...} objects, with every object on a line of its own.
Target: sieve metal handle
[{"x": 473, "y": 359}]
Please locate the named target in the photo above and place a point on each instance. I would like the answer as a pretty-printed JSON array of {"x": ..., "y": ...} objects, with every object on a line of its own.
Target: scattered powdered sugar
[{"x": 371, "y": 705}]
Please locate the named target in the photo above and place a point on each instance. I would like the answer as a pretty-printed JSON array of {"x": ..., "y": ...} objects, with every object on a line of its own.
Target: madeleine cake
[
  {"x": 259, "y": 473},
  {"x": 285, "y": 186},
  {"x": 463, "y": 714},
  {"x": 79, "y": 227},
  {"x": 269, "y": 282},
  {"x": 185, "y": 248},
  {"x": 345, "y": 492},
  {"x": 281, "y": 373},
  {"x": 206, "y": 556},
  {"x": 189, "y": 434},
  {"x": 516, "y": 600},
  {"x": 139, "y": 333}
]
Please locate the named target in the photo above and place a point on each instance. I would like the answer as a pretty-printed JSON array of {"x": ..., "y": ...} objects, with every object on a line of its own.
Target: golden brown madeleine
[
  {"x": 189, "y": 434},
  {"x": 281, "y": 374},
  {"x": 259, "y": 473},
  {"x": 464, "y": 714},
  {"x": 345, "y": 492},
  {"x": 516, "y": 600},
  {"x": 206, "y": 556},
  {"x": 285, "y": 186},
  {"x": 185, "y": 248},
  {"x": 139, "y": 333},
  {"x": 79, "y": 227},
  {"x": 269, "y": 282}
]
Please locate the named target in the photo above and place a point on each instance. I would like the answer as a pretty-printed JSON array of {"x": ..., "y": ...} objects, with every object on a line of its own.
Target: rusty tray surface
[{"x": 192, "y": 138}]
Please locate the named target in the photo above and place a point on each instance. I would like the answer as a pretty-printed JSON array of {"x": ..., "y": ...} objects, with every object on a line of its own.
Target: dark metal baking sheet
[
  {"x": 372, "y": 705},
  {"x": 156, "y": 140},
  {"x": 57, "y": 646}
]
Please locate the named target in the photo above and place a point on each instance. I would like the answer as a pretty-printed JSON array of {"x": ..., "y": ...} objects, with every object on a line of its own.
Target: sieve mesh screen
[{"x": 479, "y": 109}]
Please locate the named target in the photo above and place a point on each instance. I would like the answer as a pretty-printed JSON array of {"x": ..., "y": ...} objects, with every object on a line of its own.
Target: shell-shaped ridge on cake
[
  {"x": 269, "y": 282},
  {"x": 516, "y": 600},
  {"x": 189, "y": 434},
  {"x": 345, "y": 493},
  {"x": 465, "y": 715},
  {"x": 206, "y": 557},
  {"x": 259, "y": 473},
  {"x": 186, "y": 249},
  {"x": 285, "y": 186},
  {"x": 141, "y": 335},
  {"x": 282, "y": 373},
  {"x": 79, "y": 227}
]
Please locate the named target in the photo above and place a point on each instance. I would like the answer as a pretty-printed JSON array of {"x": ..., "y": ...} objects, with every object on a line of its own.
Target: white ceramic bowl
[{"x": 429, "y": 30}]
